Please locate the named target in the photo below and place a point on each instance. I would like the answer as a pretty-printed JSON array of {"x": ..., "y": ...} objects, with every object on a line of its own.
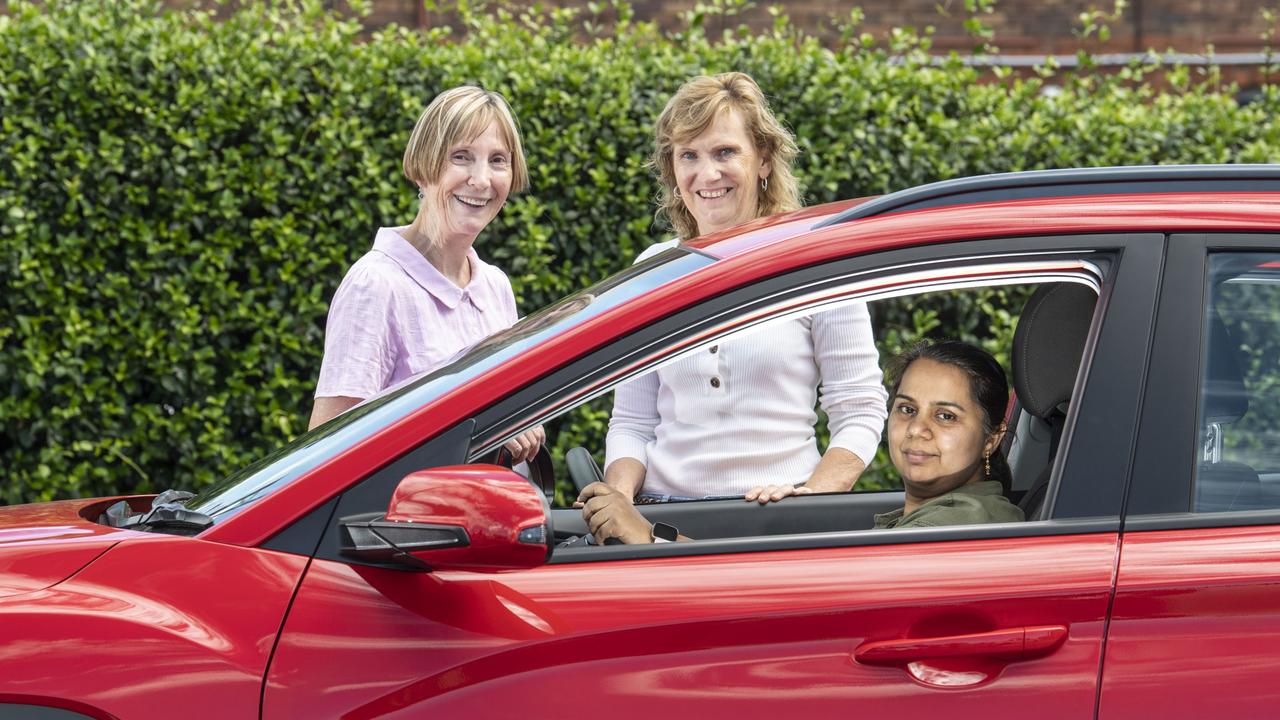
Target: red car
[{"x": 378, "y": 567}]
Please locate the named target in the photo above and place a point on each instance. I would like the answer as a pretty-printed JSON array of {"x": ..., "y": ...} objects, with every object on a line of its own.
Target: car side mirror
[{"x": 467, "y": 517}]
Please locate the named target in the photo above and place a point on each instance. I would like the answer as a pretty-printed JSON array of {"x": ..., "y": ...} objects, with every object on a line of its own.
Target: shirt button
[
  {"x": 714, "y": 348},
  {"x": 715, "y": 382}
]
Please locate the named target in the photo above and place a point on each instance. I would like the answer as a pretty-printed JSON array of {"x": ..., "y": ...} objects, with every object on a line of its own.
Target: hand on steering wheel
[{"x": 610, "y": 514}]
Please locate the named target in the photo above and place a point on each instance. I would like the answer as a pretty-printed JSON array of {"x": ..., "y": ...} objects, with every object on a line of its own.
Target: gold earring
[{"x": 986, "y": 464}]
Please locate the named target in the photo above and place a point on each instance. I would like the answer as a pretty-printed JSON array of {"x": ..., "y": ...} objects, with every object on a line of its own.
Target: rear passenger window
[{"x": 1238, "y": 464}]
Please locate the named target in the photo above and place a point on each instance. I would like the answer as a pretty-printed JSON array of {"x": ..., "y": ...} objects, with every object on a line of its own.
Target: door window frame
[
  {"x": 1090, "y": 502},
  {"x": 1162, "y": 491}
]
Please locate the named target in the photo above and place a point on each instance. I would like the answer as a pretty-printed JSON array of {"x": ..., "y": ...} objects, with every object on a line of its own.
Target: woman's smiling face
[
  {"x": 937, "y": 436},
  {"x": 718, "y": 174},
  {"x": 472, "y": 187}
]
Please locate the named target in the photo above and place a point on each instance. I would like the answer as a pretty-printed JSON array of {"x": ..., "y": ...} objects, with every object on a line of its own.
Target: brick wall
[{"x": 1021, "y": 26}]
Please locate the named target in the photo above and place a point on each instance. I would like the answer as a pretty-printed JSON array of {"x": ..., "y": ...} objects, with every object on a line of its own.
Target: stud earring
[{"x": 422, "y": 194}]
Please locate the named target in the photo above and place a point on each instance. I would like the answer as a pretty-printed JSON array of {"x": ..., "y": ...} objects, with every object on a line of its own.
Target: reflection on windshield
[
  {"x": 334, "y": 437},
  {"x": 540, "y": 320}
]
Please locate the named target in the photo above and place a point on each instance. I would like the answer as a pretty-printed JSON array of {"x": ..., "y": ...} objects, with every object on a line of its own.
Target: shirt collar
[
  {"x": 982, "y": 487},
  {"x": 391, "y": 243}
]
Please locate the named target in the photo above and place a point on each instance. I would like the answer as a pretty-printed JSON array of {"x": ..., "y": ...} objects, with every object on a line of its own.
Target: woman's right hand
[
  {"x": 608, "y": 513},
  {"x": 773, "y": 493}
]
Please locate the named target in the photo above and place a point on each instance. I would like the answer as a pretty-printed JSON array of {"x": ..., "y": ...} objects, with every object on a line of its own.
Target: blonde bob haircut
[
  {"x": 691, "y": 111},
  {"x": 459, "y": 116}
]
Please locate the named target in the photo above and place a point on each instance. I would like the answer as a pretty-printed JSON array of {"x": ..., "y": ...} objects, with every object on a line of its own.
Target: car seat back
[{"x": 1047, "y": 348}]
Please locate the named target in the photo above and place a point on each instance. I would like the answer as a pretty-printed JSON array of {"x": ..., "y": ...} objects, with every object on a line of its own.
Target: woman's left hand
[
  {"x": 525, "y": 445},
  {"x": 774, "y": 493}
]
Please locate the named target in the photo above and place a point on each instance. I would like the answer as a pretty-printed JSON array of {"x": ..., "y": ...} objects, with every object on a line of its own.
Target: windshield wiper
[{"x": 166, "y": 515}]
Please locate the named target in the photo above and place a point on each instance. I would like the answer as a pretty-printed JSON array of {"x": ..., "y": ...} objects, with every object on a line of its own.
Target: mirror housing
[{"x": 466, "y": 517}]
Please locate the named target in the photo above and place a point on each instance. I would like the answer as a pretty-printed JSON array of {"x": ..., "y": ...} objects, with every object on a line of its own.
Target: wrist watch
[{"x": 664, "y": 533}]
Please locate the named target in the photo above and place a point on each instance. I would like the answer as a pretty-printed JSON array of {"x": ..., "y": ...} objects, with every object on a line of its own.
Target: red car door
[
  {"x": 1197, "y": 614},
  {"x": 988, "y": 621},
  {"x": 991, "y": 628}
]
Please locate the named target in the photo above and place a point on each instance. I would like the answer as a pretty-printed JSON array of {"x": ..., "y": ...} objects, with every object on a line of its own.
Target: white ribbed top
[{"x": 741, "y": 414}]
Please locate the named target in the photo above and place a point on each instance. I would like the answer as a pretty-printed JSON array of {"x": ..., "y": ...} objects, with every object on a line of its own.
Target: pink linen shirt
[{"x": 395, "y": 316}]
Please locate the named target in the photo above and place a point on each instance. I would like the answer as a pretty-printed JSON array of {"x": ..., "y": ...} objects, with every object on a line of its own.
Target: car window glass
[
  {"x": 1238, "y": 456},
  {"x": 986, "y": 316}
]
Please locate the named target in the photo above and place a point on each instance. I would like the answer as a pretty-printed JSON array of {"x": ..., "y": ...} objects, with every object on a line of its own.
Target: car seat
[{"x": 1047, "y": 347}]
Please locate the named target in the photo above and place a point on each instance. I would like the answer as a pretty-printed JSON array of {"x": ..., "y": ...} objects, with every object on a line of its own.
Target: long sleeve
[
  {"x": 634, "y": 422},
  {"x": 851, "y": 387}
]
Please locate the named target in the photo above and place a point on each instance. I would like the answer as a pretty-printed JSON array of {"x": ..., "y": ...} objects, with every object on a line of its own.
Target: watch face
[{"x": 665, "y": 532}]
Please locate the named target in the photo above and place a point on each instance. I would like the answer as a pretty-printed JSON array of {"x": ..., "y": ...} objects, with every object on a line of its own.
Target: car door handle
[{"x": 1008, "y": 644}]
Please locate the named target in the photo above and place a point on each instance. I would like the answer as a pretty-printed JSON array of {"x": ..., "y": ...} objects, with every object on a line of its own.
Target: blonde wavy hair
[
  {"x": 691, "y": 111},
  {"x": 460, "y": 115}
]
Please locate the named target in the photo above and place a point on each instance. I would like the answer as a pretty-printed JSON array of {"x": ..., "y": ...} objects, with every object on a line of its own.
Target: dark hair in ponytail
[{"x": 987, "y": 382}]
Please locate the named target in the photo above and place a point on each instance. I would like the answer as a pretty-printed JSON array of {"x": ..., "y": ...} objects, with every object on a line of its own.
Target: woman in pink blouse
[{"x": 422, "y": 294}]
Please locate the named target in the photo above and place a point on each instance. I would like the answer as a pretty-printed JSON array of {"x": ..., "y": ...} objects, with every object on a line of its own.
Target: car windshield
[{"x": 239, "y": 490}]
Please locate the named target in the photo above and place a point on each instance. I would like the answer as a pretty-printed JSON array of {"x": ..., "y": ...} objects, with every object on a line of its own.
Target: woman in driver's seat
[{"x": 946, "y": 421}]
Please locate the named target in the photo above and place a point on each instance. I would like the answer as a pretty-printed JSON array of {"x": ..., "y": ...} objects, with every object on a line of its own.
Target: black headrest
[
  {"x": 1048, "y": 344},
  {"x": 1225, "y": 398}
]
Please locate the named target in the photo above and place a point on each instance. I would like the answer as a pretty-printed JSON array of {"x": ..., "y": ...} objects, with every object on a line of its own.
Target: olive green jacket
[{"x": 980, "y": 502}]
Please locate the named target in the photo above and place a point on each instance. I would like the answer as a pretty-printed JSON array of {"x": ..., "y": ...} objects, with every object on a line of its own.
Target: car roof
[{"x": 1114, "y": 191}]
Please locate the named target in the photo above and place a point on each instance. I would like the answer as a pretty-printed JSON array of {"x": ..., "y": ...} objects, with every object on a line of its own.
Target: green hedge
[{"x": 180, "y": 196}]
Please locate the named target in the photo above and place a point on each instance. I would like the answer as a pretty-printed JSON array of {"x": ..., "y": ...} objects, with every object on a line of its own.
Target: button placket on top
[{"x": 712, "y": 366}]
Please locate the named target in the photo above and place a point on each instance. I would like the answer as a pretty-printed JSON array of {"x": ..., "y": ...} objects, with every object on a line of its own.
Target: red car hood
[{"x": 43, "y": 544}]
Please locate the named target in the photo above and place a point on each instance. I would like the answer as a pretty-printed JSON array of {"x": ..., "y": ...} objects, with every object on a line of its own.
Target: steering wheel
[
  {"x": 541, "y": 470},
  {"x": 583, "y": 469}
]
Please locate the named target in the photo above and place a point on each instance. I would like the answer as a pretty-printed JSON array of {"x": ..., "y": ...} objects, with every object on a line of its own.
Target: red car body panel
[
  {"x": 41, "y": 545},
  {"x": 733, "y": 636},
  {"x": 1118, "y": 213},
  {"x": 1195, "y": 626},
  {"x": 204, "y": 616}
]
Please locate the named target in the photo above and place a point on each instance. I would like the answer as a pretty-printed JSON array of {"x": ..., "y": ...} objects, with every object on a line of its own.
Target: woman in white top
[{"x": 737, "y": 419}]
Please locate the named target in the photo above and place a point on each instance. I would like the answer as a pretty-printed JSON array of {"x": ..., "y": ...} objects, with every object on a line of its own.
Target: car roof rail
[{"x": 1068, "y": 183}]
